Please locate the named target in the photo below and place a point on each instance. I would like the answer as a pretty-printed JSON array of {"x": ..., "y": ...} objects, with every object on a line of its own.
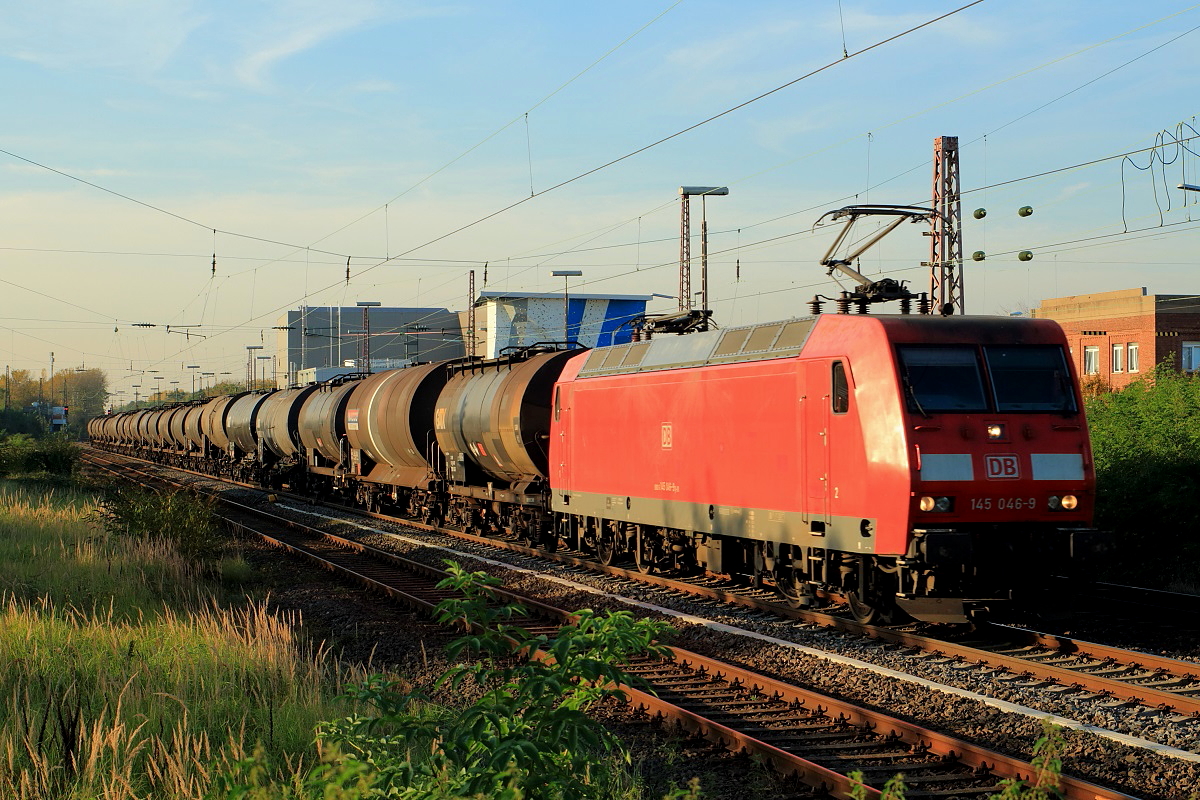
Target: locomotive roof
[
  {"x": 781, "y": 339},
  {"x": 746, "y": 343}
]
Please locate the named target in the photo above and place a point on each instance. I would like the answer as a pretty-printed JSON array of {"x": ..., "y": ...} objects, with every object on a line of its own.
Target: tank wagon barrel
[{"x": 390, "y": 425}]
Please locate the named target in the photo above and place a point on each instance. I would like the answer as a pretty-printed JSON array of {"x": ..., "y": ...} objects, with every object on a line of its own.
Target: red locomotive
[{"x": 931, "y": 465}]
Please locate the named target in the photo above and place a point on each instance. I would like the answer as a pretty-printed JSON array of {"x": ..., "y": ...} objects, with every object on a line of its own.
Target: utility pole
[
  {"x": 945, "y": 236},
  {"x": 470, "y": 342}
]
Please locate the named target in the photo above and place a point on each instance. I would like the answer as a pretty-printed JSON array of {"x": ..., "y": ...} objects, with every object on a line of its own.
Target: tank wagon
[{"x": 924, "y": 465}]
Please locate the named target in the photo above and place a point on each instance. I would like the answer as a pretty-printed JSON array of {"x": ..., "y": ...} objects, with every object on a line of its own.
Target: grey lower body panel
[{"x": 851, "y": 534}]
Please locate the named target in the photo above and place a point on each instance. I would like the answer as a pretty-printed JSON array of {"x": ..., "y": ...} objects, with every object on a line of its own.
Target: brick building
[{"x": 1117, "y": 336}]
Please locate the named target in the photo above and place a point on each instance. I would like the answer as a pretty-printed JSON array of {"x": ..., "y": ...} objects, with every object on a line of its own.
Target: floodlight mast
[{"x": 685, "y": 249}]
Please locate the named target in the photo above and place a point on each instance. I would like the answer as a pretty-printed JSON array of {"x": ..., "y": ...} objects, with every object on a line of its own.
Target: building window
[
  {"x": 1191, "y": 356},
  {"x": 1132, "y": 350},
  {"x": 1091, "y": 360},
  {"x": 1118, "y": 358}
]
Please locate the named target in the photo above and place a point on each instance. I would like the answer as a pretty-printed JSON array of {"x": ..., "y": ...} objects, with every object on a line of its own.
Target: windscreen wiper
[{"x": 912, "y": 395}]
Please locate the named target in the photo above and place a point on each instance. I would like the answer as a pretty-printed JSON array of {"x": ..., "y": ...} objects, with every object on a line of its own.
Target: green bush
[
  {"x": 528, "y": 734},
  {"x": 22, "y": 453},
  {"x": 1146, "y": 445},
  {"x": 179, "y": 517}
]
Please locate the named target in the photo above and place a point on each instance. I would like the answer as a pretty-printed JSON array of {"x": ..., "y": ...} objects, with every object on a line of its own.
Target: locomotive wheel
[
  {"x": 645, "y": 553},
  {"x": 790, "y": 585},
  {"x": 868, "y": 611},
  {"x": 606, "y": 547}
]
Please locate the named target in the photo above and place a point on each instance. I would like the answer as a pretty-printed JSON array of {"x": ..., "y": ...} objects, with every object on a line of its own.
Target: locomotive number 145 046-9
[{"x": 1003, "y": 503}]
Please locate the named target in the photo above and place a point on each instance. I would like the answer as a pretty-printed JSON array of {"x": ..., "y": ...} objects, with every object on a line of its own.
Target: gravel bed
[{"x": 1135, "y": 770}]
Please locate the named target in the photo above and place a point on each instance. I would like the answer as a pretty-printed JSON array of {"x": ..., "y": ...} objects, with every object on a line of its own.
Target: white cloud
[
  {"x": 125, "y": 35},
  {"x": 291, "y": 27}
]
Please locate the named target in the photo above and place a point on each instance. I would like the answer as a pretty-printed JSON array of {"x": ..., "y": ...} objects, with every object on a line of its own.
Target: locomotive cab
[{"x": 1001, "y": 466}]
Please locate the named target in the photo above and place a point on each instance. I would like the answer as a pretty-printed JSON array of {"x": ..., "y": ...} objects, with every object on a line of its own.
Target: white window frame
[
  {"x": 1091, "y": 359},
  {"x": 1131, "y": 357},
  {"x": 1118, "y": 358},
  {"x": 1189, "y": 360}
]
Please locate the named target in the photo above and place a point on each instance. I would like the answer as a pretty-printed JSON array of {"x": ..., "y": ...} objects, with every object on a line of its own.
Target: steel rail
[{"x": 923, "y": 749}]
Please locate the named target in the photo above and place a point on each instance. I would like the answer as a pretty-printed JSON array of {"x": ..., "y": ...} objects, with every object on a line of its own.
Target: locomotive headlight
[
  {"x": 940, "y": 504},
  {"x": 1067, "y": 502},
  {"x": 995, "y": 431}
]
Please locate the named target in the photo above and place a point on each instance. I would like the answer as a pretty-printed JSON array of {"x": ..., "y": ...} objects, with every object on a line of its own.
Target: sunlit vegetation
[
  {"x": 129, "y": 674},
  {"x": 1146, "y": 443},
  {"x": 123, "y": 676}
]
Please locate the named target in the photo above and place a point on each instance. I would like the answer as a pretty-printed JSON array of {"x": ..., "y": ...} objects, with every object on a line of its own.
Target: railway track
[
  {"x": 817, "y": 738},
  {"x": 1090, "y": 670}
]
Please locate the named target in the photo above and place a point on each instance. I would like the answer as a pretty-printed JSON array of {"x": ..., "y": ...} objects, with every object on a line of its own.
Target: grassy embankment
[
  {"x": 136, "y": 668},
  {"x": 126, "y": 673}
]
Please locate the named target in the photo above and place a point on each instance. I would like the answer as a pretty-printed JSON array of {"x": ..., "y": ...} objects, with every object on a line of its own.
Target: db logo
[{"x": 1002, "y": 467}]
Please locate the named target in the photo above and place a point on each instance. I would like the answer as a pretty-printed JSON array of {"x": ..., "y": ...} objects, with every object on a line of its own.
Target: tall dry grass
[{"x": 123, "y": 678}]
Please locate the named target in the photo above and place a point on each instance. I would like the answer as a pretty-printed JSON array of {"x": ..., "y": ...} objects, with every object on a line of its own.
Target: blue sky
[{"x": 306, "y": 132}]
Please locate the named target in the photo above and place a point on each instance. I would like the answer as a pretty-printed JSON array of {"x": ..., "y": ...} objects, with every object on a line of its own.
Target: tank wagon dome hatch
[
  {"x": 492, "y": 420},
  {"x": 783, "y": 339}
]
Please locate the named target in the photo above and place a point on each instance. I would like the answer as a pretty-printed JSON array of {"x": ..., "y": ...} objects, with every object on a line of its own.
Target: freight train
[{"x": 920, "y": 465}]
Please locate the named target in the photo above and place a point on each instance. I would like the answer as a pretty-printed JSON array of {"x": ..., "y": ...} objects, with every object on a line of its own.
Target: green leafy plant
[
  {"x": 1146, "y": 445},
  {"x": 527, "y": 734},
  {"x": 1047, "y": 769}
]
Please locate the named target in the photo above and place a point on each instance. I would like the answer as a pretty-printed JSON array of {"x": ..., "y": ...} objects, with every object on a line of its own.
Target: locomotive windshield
[
  {"x": 942, "y": 379},
  {"x": 1031, "y": 378},
  {"x": 952, "y": 378}
]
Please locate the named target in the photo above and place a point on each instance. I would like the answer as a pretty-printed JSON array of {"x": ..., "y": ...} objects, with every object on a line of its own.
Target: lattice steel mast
[{"x": 945, "y": 238}]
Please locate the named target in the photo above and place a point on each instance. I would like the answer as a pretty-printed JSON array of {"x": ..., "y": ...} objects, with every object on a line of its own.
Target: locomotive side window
[
  {"x": 942, "y": 378},
  {"x": 1030, "y": 378},
  {"x": 840, "y": 397}
]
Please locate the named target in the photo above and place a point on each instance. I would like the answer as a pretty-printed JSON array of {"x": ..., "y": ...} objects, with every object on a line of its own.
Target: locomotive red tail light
[{"x": 938, "y": 504}]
